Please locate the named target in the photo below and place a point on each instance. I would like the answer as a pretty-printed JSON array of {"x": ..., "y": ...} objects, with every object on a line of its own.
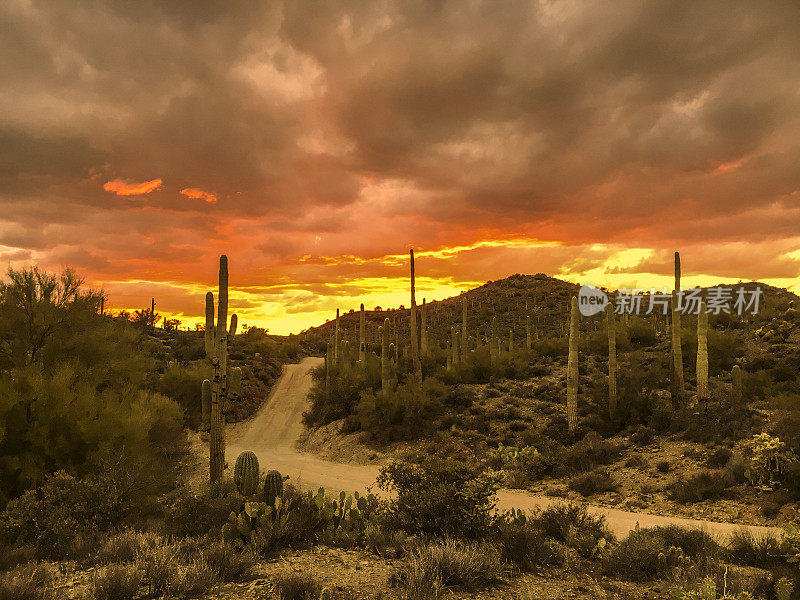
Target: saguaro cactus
[
  {"x": 454, "y": 344},
  {"x": 423, "y": 338},
  {"x": 362, "y": 344},
  {"x": 336, "y": 339},
  {"x": 511, "y": 341},
  {"x": 328, "y": 360},
  {"x": 527, "y": 332},
  {"x": 216, "y": 344},
  {"x": 736, "y": 376},
  {"x": 677, "y": 353},
  {"x": 464, "y": 339},
  {"x": 493, "y": 355},
  {"x": 385, "y": 358},
  {"x": 702, "y": 353},
  {"x": 415, "y": 362},
  {"x": 612, "y": 361},
  {"x": 572, "y": 367},
  {"x": 245, "y": 473}
]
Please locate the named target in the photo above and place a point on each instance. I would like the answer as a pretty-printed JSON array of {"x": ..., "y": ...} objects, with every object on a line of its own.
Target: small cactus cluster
[{"x": 347, "y": 513}]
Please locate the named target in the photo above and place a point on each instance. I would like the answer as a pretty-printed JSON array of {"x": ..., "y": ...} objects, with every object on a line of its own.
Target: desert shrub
[
  {"x": 29, "y": 582},
  {"x": 719, "y": 458},
  {"x": 13, "y": 555},
  {"x": 196, "y": 512},
  {"x": 340, "y": 398},
  {"x": 636, "y": 461},
  {"x": 116, "y": 582},
  {"x": 764, "y": 551},
  {"x": 403, "y": 413},
  {"x": 593, "y": 482},
  {"x": 191, "y": 579},
  {"x": 438, "y": 497},
  {"x": 643, "y": 436},
  {"x": 73, "y": 388},
  {"x": 526, "y": 546},
  {"x": 573, "y": 525},
  {"x": 771, "y": 503},
  {"x": 641, "y": 332},
  {"x": 452, "y": 562},
  {"x": 293, "y": 585},
  {"x": 125, "y": 546},
  {"x": 697, "y": 544},
  {"x": 61, "y": 514},
  {"x": 385, "y": 542},
  {"x": 705, "y": 485},
  {"x": 590, "y": 452},
  {"x": 227, "y": 563},
  {"x": 663, "y": 466},
  {"x": 183, "y": 383},
  {"x": 655, "y": 553}
]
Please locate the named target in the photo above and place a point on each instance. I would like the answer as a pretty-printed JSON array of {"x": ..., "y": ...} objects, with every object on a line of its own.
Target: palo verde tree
[{"x": 72, "y": 388}]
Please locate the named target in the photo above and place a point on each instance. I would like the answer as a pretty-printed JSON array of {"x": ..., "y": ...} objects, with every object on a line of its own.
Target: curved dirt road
[{"x": 272, "y": 433}]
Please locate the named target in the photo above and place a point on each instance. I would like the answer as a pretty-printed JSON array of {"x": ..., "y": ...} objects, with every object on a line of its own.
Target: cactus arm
[{"x": 234, "y": 324}]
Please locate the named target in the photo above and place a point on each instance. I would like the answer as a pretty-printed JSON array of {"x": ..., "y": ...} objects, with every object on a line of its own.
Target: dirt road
[{"x": 272, "y": 433}]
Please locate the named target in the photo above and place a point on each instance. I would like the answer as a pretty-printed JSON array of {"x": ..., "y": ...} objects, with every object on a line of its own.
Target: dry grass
[
  {"x": 31, "y": 581},
  {"x": 451, "y": 562}
]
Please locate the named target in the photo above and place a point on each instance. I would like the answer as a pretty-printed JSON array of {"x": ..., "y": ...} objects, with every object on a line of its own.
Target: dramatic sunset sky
[{"x": 315, "y": 142}]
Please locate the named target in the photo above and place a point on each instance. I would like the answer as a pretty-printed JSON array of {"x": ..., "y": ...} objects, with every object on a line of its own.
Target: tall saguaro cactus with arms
[{"x": 216, "y": 342}]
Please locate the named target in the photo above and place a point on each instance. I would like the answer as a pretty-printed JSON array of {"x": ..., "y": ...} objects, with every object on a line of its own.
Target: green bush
[
  {"x": 574, "y": 526},
  {"x": 404, "y": 413},
  {"x": 590, "y": 452},
  {"x": 342, "y": 396},
  {"x": 191, "y": 513},
  {"x": 60, "y": 514},
  {"x": 763, "y": 551},
  {"x": 72, "y": 391},
  {"x": 702, "y": 486},
  {"x": 657, "y": 552},
  {"x": 183, "y": 383},
  {"x": 524, "y": 544},
  {"x": 438, "y": 497},
  {"x": 593, "y": 482}
]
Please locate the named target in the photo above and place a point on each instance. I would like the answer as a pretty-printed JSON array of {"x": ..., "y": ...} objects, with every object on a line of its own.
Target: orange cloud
[
  {"x": 125, "y": 188},
  {"x": 196, "y": 193}
]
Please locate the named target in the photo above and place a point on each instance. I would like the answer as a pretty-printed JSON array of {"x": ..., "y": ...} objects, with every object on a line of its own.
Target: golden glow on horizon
[{"x": 287, "y": 305}]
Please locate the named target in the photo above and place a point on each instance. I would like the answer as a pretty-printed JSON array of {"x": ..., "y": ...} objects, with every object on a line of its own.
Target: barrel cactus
[
  {"x": 245, "y": 473},
  {"x": 273, "y": 487}
]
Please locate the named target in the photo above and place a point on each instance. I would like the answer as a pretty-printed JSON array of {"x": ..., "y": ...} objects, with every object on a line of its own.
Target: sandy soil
[{"x": 272, "y": 434}]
